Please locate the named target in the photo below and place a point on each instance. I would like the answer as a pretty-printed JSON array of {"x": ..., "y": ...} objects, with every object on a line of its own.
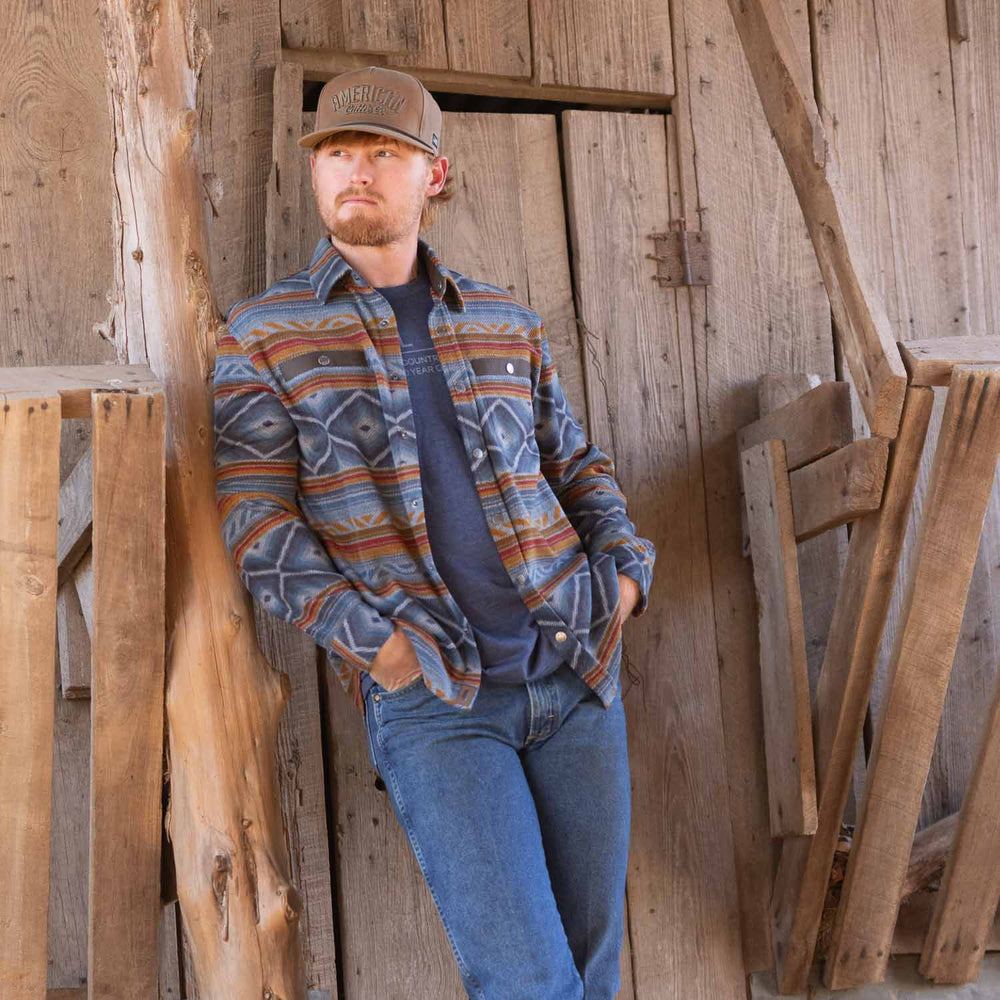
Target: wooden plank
[
  {"x": 685, "y": 894},
  {"x": 67, "y": 959},
  {"x": 970, "y": 890},
  {"x": 74, "y": 643},
  {"x": 323, "y": 64},
  {"x": 319, "y": 25},
  {"x": 302, "y": 785},
  {"x": 75, "y": 383},
  {"x": 930, "y": 362},
  {"x": 914, "y": 919},
  {"x": 83, "y": 578},
  {"x": 127, "y": 680},
  {"x": 603, "y": 45},
  {"x": 766, "y": 310},
  {"x": 169, "y": 954},
  {"x": 492, "y": 38},
  {"x": 380, "y": 26},
  {"x": 791, "y": 775},
  {"x": 285, "y": 185},
  {"x": 840, "y": 487},
  {"x": 75, "y": 516},
  {"x": 861, "y": 321},
  {"x": 842, "y": 698},
  {"x": 931, "y": 847},
  {"x": 958, "y": 493},
  {"x": 29, "y": 511},
  {"x": 821, "y": 558},
  {"x": 811, "y": 426}
]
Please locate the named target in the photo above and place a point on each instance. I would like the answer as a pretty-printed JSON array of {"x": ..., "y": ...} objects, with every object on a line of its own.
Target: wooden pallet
[
  {"x": 126, "y": 679},
  {"x": 810, "y": 752}
]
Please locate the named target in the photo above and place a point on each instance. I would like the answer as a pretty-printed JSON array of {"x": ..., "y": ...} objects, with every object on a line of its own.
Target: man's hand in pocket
[
  {"x": 629, "y": 594},
  {"x": 396, "y": 663}
]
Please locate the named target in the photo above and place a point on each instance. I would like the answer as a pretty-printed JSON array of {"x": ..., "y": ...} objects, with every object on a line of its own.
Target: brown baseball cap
[{"x": 379, "y": 100}]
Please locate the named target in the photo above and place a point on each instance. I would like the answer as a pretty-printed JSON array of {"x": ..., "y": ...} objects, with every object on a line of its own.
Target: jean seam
[{"x": 411, "y": 836}]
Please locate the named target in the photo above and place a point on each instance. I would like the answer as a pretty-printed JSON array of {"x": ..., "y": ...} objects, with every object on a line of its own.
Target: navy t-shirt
[{"x": 512, "y": 648}]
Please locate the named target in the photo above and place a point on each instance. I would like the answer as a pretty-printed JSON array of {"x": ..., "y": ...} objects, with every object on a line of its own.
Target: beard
[{"x": 369, "y": 225}]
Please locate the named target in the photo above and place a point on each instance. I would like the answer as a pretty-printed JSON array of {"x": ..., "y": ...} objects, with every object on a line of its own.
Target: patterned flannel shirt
[{"x": 318, "y": 483}]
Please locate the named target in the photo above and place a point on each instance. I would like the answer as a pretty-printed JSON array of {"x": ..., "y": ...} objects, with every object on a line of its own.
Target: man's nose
[{"x": 362, "y": 170}]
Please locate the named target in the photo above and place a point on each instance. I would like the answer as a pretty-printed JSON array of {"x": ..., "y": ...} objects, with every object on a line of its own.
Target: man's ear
[{"x": 437, "y": 176}]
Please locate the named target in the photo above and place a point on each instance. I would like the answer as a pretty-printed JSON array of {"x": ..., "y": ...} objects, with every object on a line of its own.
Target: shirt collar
[{"x": 328, "y": 268}]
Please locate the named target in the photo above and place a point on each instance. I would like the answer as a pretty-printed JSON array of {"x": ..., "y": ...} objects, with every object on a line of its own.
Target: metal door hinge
[{"x": 682, "y": 257}]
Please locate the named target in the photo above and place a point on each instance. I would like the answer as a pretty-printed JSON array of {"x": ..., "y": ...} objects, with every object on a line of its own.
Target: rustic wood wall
[{"x": 907, "y": 105}]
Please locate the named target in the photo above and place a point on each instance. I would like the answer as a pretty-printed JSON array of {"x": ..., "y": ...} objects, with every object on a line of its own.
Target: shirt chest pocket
[
  {"x": 502, "y": 383},
  {"x": 333, "y": 396}
]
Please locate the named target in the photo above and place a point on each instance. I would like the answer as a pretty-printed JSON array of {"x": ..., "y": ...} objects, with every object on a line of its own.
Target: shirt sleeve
[
  {"x": 277, "y": 554},
  {"x": 583, "y": 478}
]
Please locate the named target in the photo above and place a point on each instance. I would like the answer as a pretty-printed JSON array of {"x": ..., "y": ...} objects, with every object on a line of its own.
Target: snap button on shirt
[
  {"x": 560, "y": 636},
  {"x": 324, "y": 359},
  {"x": 477, "y": 452},
  {"x": 510, "y": 368}
]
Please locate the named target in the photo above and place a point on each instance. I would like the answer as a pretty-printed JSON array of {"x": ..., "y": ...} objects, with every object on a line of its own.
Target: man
[{"x": 401, "y": 476}]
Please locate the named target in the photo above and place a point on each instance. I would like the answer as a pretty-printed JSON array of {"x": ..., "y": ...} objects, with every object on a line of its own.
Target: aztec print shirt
[{"x": 318, "y": 484}]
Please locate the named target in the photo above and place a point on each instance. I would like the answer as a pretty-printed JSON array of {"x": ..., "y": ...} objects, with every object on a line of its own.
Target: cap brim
[{"x": 314, "y": 138}]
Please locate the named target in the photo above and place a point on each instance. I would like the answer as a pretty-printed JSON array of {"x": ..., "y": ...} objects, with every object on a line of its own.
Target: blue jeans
[{"x": 518, "y": 812}]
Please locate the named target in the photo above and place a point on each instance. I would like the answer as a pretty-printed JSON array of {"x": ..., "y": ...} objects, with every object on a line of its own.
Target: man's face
[{"x": 370, "y": 189}]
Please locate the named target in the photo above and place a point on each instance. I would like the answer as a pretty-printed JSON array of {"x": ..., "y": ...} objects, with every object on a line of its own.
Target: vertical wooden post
[
  {"x": 126, "y": 695},
  {"x": 223, "y": 699},
  {"x": 29, "y": 512}
]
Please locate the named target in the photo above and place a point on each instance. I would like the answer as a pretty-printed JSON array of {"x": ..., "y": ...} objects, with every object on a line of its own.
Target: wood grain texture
[
  {"x": 75, "y": 516},
  {"x": 29, "y": 510},
  {"x": 862, "y": 324},
  {"x": 839, "y": 488},
  {"x": 75, "y": 383},
  {"x": 73, "y": 638},
  {"x": 766, "y": 311},
  {"x": 603, "y": 45},
  {"x": 492, "y": 37},
  {"x": 321, "y": 64},
  {"x": 127, "y": 671},
  {"x": 821, "y": 558},
  {"x": 811, "y": 426},
  {"x": 380, "y": 26},
  {"x": 684, "y": 926},
  {"x": 791, "y": 774},
  {"x": 945, "y": 553},
  {"x": 970, "y": 890},
  {"x": 925, "y": 222},
  {"x": 930, "y": 362},
  {"x": 302, "y": 784},
  {"x": 842, "y": 698},
  {"x": 285, "y": 196},
  {"x": 320, "y": 25}
]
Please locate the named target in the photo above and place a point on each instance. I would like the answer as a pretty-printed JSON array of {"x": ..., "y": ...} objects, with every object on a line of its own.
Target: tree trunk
[{"x": 223, "y": 700}]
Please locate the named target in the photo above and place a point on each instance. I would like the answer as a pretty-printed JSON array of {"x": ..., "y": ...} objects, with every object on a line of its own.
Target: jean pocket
[{"x": 414, "y": 685}]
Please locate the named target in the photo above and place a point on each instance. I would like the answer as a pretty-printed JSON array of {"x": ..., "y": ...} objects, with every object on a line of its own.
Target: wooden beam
[
  {"x": 945, "y": 552},
  {"x": 321, "y": 65},
  {"x": 970, "y": 890},
  {"x": 840, "y": 487},
  {"x": 791, "y": 776},
  {"x": 127, "y": 670},
  {"x": 861, "y": 323},
  {"x": 74, "y": 383},
  {"x": 29, "y": 512},
  {"x": 811, "y": 426},
  {"x": 842, "y": 698},
  {"x": 75, "y": 516},
  {"x": 931, "y": 847},
  {"x": 223, "y": 699},
  {"x": 284, "y": 188},
  {"x": 73, "y": 637},
  {"x": 930, "y": 362}
]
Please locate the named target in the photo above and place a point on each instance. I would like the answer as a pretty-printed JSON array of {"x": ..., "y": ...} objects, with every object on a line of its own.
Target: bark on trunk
[{"x": 223, "y": 700}]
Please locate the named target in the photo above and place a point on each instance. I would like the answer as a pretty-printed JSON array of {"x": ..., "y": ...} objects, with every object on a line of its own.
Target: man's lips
[{"x": 360, "y": 201}]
